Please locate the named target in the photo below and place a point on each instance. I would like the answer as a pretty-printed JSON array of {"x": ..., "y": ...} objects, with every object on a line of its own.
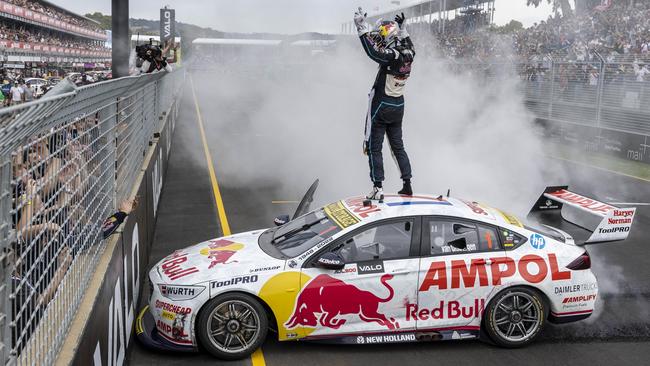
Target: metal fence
[
  {"x": 613, "y": 96},
  {"x": 66, "y": 164}
]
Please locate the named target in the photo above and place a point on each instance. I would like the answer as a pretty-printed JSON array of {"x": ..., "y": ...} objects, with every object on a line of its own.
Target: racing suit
[{"x": 386, "y": 105}]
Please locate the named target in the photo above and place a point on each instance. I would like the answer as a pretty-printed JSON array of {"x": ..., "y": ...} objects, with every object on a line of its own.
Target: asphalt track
[{"x": 618, "y": 334}]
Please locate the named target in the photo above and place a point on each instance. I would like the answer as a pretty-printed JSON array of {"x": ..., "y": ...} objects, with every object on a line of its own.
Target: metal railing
[
  {"x": 600, "y": 94},
  {"x": 66, "y": 163}
]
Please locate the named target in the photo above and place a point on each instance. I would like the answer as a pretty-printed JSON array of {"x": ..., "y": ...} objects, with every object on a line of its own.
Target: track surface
[{"x": 620, "y": 334}]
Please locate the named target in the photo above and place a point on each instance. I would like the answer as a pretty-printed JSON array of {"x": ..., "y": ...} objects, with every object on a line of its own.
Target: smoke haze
[{"x": 304, "y": 119}]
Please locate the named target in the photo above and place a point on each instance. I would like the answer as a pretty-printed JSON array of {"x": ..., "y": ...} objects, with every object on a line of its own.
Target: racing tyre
[
  {"x": 515, "y": 317},
  {"x": 232, "y": 326}
]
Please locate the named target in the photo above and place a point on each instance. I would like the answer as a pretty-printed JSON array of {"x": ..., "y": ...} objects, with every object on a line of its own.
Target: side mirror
[
  {"x": 330, "y": 261},
  {"x": 459, "y": 243},
  {"x": 281, "y": 220}
]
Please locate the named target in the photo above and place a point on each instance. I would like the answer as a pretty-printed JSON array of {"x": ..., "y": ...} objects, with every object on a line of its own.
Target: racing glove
[
  {"x": 400, "y": 19},
  {"x": 360, "y": 22}
]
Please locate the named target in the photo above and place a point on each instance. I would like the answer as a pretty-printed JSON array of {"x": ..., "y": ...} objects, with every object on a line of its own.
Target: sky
[{"x": 283, "y": 16}]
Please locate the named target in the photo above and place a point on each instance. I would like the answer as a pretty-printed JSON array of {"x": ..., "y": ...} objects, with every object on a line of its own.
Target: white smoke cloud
[{"x": 303, "y": 122}]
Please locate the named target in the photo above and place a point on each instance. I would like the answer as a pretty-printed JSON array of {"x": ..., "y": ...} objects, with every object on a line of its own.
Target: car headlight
[{"x": 176, "y": 292}]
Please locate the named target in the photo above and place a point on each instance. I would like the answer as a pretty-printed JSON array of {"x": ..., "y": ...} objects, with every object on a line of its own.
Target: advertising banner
[{"x": 167, "y": 25}]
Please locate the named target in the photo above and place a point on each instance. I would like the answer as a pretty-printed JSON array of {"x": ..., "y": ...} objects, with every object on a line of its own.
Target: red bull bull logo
[
  {"x": 330, "y": 297},
  {"x": 220, "y": 251}
]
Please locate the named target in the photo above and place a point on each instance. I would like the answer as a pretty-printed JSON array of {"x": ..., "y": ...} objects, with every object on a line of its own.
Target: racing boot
[
  {"x": 406, "y": 188},
  {"x": 377, "y": 193}
]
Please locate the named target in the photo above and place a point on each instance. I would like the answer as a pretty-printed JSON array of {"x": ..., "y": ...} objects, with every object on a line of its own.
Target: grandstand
[
  {"x": 438, "y": 14},
  {"x": 40, "y": 38}
]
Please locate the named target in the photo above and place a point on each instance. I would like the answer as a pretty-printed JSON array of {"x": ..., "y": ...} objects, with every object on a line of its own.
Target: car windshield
[{"x": 297, "y": 236}]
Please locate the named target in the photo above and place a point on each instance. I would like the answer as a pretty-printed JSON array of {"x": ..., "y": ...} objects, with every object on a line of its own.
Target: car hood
[{"x": 218, "y": 258}]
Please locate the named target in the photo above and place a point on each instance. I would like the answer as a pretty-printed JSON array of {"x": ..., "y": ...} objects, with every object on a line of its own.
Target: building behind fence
[{"x": 66, "y": 163}]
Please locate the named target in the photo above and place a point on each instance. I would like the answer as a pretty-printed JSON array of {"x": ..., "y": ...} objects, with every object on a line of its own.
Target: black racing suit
[{"x": 386, "y": 105}]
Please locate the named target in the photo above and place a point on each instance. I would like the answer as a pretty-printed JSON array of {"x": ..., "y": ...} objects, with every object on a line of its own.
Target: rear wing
[{"x": 579, "y": 218}]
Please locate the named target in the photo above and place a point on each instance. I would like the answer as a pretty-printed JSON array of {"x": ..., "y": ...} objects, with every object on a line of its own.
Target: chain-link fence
[{"x": 66, "y": 164}]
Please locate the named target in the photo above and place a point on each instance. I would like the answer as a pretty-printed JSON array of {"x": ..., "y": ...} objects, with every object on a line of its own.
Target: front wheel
[
  {"x": 232, "y": 326},
  {"x": 515, "y": 317}
]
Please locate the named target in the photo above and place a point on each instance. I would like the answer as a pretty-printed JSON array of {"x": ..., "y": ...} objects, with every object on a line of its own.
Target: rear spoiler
[{"x": 581, "y": 219}]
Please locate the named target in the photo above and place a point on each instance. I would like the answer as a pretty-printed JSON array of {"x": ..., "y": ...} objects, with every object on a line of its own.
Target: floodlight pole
[{"x": 121, "y": 44}]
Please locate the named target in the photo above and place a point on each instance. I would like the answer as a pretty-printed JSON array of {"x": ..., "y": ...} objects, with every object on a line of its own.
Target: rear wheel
[
  {"x": 515, "y": 317},
  {"x": 232, "y": 326}
]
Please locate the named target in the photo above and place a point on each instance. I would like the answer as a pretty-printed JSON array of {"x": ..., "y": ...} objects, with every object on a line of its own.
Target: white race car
[{"x": 412, "y": 268}]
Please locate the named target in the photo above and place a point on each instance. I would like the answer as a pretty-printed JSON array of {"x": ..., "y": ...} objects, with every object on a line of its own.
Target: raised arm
[{"x": 382, "y": 56}]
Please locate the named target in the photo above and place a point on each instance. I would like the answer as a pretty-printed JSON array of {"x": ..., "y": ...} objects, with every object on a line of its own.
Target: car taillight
[{"x": 582, "y": 262}]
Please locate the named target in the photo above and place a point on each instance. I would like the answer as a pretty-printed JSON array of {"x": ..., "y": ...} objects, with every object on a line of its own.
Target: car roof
[{"x": 422, "y": 205}]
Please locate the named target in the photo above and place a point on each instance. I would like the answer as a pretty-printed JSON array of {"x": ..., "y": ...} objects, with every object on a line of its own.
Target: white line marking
[{"x": 598, "y": 168}]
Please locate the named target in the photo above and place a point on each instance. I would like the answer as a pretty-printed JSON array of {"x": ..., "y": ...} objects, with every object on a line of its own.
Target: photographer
[{"x": 153, "y": 57}]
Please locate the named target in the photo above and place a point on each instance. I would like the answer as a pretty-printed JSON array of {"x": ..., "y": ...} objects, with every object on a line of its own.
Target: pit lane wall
[{"x": 110, "y": 307}]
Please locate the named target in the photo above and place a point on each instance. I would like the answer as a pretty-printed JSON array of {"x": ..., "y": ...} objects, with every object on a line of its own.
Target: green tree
[
  {"x": 104, "y": 20},
  {"x": 557, "y": 4}
]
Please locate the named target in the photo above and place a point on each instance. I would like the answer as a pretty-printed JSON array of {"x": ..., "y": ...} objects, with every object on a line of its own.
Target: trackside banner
[{"x": 167, "y": 25}]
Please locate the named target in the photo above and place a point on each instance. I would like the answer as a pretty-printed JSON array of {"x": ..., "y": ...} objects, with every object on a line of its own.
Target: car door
[
  {"x": 369, "y": 294},
  {"x": 454, "y": 281}
]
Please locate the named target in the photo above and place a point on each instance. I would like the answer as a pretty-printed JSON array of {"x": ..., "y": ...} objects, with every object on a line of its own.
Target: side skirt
[{"x": 422, "y": 335}]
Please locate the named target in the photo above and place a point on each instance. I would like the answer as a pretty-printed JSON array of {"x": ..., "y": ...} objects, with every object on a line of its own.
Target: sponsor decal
[
  {"x": 173, "y": 267},
  {"x": 263, "y": 269},
  {"x": 576, "y": 288},
  {"x": 340, "y": 215},
  {"x": 446, "y": 310},
  {"x": 532, "y": 268},
  {"x": 180, "y": 292},
  {"x": 346, "y": 270},
  {"x": 456, "y": 335},
  {"x": 176, "y": 330},
  {"x": 219, "y": 251},
  {"x": 371, "y": 267},
  {"x": 167, "y": 315},
  {"x": 581, "y": 298},
  {"x": 234, "y": 281},
  {"x": 537, "y": 241},
  {"x": 325, "y": 298},
  {"x": 386, "y": 338},
  {"x": 511, "y": 219},
  {"x": 292, "y": 264},
  {"x": 176, "y": 309},
  {"x": 584, "y": 202},
  {"x": 356, "y": 205},
  {"x": 476, "y": 208},
  {"x": 313, "y": 249},
  {"x": 292, "y": 335},
  {"x": 613, "y": 230},
  {"x": 549, "y": 205}
]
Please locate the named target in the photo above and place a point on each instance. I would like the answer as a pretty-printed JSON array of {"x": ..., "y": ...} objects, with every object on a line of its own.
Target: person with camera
[
  {"x": 153, "y": 57},
  {"x": 390, "y": 46}
]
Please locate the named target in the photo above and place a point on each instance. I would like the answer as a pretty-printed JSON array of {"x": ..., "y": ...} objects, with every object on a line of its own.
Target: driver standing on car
[{"x": 394, "y": 52}]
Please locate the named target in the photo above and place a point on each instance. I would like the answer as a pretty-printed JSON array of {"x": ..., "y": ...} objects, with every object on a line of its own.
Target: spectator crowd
[
  {"x": 17, "y": 32},
  {"x": 619, "y": 31},
  {"x": 55, "y": 13}
]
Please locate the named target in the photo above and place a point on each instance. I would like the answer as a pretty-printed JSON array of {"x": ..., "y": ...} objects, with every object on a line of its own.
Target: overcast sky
[{"x": 282, "y": 16}]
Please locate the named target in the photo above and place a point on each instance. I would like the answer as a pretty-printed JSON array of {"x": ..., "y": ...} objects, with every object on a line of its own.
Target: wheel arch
[
  {"x": 267, "y": 308},
  {"x": 545, "y": 298}
]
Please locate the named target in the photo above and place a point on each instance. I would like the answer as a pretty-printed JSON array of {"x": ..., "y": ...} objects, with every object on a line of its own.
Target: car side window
[
  {"x": 488, "y": 238},
  {"x": 385, "y": 241},
  {"x": 452, "y": 236},
  {"x": 511, "y": 239}
]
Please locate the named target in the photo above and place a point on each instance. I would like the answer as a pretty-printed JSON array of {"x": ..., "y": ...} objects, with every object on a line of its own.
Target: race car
[{"x": 411, "y": 268}]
